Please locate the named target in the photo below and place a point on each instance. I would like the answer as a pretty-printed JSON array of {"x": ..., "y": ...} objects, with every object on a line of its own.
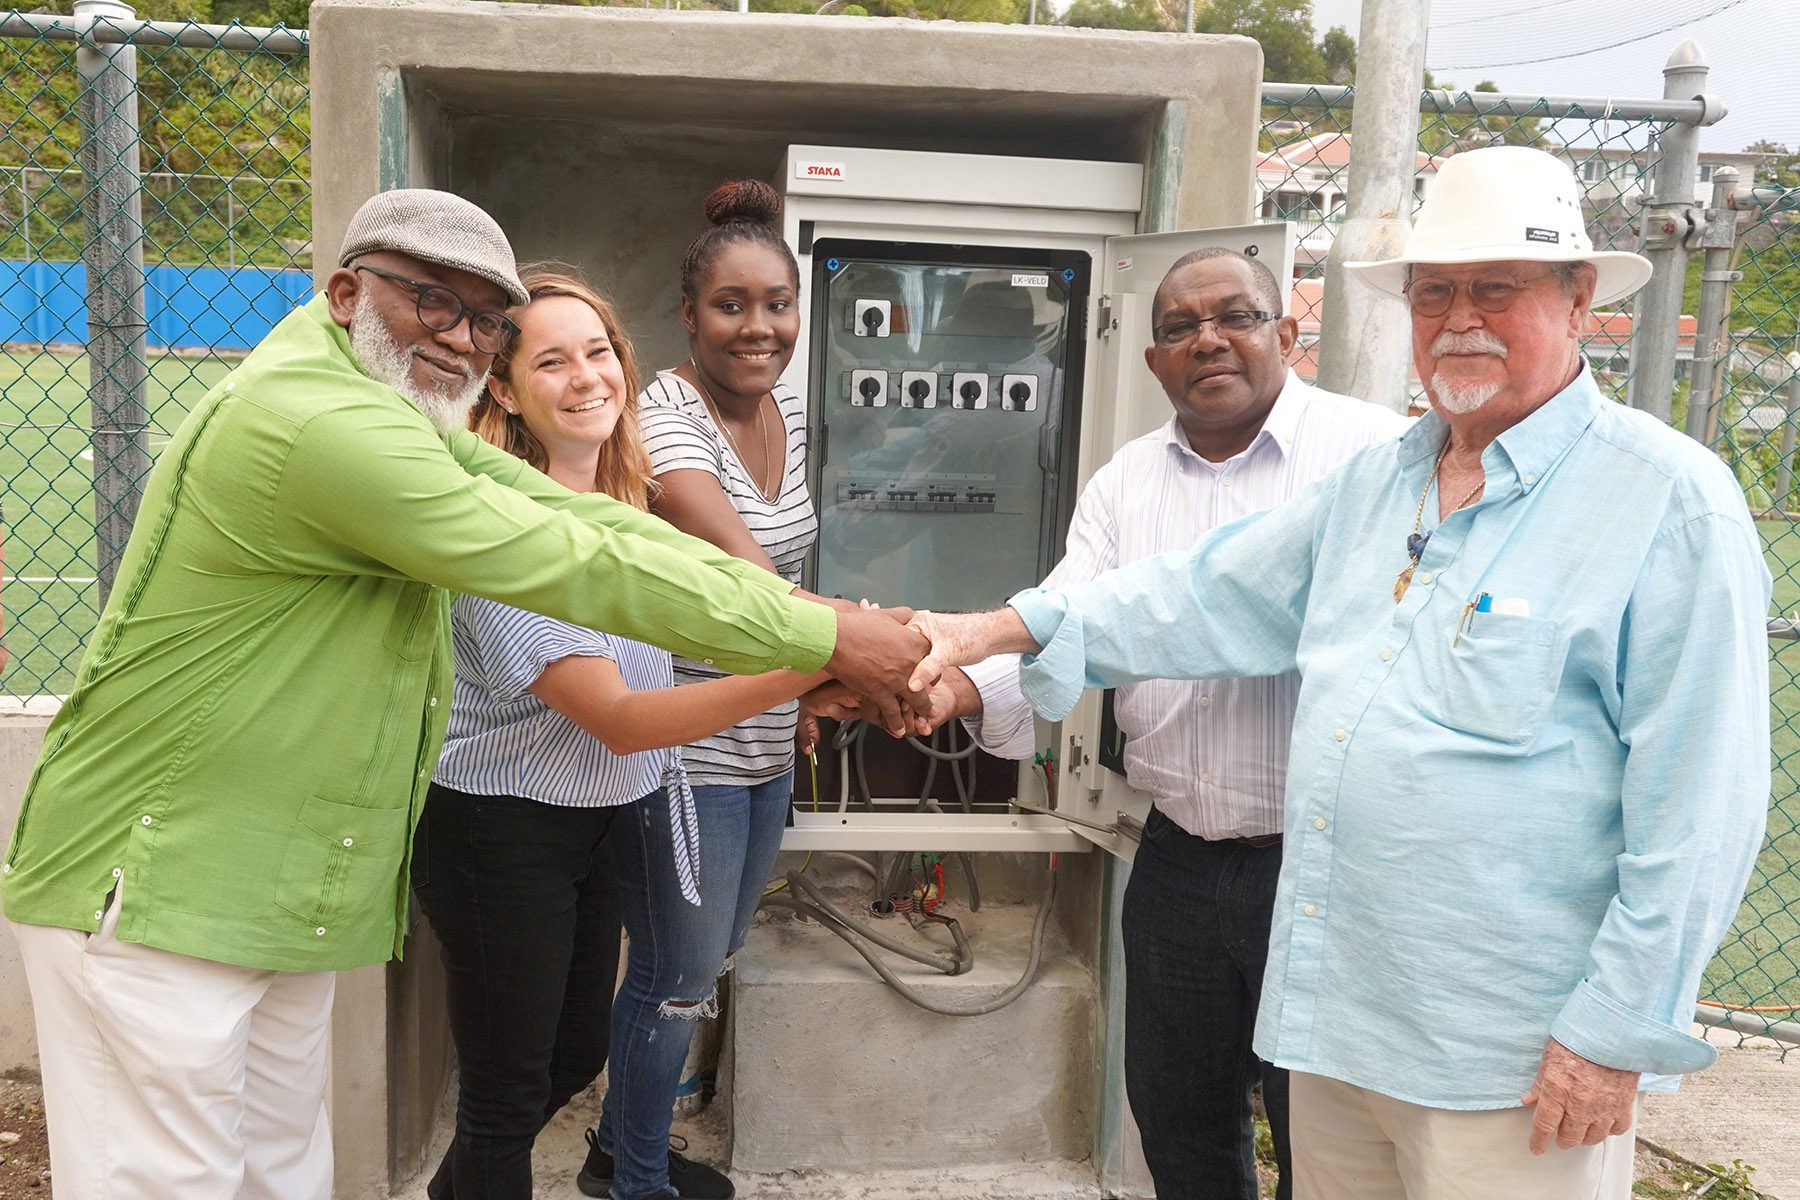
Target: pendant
[{"x": 1403, "y": 580}]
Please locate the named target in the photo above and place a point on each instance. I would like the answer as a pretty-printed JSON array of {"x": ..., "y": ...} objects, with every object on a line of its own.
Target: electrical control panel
[
  {"x": 943, "y": 444},
  {"x": 973, "y": 350}
]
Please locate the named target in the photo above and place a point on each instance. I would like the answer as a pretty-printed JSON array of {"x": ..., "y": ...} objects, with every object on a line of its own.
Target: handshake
[{"x": 893, "y": 667}]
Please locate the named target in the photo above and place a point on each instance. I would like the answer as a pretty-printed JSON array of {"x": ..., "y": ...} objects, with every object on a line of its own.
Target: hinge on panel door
[{"x": 1107, "y": 322}]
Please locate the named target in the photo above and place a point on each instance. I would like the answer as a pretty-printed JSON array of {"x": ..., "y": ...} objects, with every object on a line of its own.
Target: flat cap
[{"x": 438, "y": 228}]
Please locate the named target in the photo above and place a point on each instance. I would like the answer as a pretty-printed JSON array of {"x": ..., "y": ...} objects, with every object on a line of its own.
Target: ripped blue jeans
[{"x": 675, "y": 955}]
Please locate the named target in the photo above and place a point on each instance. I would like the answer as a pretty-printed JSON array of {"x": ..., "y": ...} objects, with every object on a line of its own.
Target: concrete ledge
[{"x": 833, "y": 1070}]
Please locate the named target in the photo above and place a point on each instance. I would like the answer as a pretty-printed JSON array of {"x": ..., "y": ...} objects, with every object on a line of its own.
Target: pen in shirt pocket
[
  {"x": 1483, "y": 602},
  {"x": 1509, "y": 606}
]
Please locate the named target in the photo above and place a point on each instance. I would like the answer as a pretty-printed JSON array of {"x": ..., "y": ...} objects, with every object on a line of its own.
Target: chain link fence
[
  {"x": 155, "y": 212},
  {"x": 1759, "y": 412},
  {"x": 1303, "y": 176},
  {"x": 155, "y": 220}
]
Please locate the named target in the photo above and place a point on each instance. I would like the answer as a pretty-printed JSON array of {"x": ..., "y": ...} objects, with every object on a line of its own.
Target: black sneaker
[{"x": 690, "y": 1180}]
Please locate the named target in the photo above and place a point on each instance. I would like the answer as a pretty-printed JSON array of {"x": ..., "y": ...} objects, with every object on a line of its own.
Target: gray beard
[
  {"x": 1462, "y": 397},
  {"x": 386, "y": 361},
  {"x": 1458, "y": 397}
]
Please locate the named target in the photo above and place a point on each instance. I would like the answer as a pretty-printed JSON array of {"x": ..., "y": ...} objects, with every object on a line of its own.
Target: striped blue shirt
[
  {"x": 503, "y": 741},
  {"x": 1500, "y": 826}
]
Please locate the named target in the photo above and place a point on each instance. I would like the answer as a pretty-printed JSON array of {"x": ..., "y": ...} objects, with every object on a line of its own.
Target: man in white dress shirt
[{"x": 1246, "y": 435}]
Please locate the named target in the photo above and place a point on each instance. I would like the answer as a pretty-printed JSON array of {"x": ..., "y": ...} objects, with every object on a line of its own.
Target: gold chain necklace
[
  {"x": 762, "y": 486},
  {"x": 1415, "y": 541}
]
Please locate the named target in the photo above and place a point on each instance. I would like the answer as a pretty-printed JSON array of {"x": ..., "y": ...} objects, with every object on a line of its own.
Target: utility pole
[{"x": 1365, "y": 345}]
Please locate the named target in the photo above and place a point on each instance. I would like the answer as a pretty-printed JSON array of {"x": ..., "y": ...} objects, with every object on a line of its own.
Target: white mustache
[
  {"x": 1474, "y": 341},
  {"x": 457, "y": 367}
]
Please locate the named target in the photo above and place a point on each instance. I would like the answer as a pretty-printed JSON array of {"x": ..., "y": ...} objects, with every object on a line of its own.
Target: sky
[{"x": 1752, "y": 47}]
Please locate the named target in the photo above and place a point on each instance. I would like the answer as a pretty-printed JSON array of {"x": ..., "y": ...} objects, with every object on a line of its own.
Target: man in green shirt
[{"x": 223, "y": 810}]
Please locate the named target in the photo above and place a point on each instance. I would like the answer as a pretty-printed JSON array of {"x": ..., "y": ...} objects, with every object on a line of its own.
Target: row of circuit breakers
[
  {"x": 924, "y": 389},
  {"x": 872, "y": 388}
]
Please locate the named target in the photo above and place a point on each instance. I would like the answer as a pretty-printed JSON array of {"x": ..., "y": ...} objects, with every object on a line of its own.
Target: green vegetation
[
  {"x": 224, "y": 153},
  {"x": 1291, "y": 48},
  {"x": 1681, "y": 1181}
]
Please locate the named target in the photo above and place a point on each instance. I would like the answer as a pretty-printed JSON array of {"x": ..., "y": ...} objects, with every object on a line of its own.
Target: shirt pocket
[
  {"x": 340, "y": 860},
  {"x": 1499, "y": 678}
]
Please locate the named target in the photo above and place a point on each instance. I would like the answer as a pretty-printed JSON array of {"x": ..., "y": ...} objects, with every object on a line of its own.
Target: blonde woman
[{"x": 556, "y": 763}]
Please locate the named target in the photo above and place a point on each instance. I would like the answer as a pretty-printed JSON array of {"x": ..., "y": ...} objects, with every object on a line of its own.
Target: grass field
[
  {"x": 46, "y": 482},
  {"x": 1759, "y": 964}
]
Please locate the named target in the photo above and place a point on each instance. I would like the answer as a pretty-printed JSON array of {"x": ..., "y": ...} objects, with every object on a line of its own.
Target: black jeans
[
  {"x": 1196, "y": 934},
  {"x": 521, "y": 900}
]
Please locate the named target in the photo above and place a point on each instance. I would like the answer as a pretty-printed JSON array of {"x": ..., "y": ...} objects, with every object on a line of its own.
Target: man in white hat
[
  {"x": 1529, "y": 770},
  {"x": 221, "y": 817}
]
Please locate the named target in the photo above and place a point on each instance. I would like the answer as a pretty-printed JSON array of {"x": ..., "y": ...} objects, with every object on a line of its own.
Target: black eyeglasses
[
  {"x": 1433, "y": 297},
  {"x": 1237, "y": 321},
  {"x": 441, "y": 310}
]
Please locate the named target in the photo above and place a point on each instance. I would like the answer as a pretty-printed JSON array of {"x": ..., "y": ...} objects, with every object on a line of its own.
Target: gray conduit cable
[{"x": 843, "y": 927}]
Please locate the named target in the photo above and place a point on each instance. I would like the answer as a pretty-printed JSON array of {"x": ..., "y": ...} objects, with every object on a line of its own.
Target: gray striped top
[
  {"x": 680, "y": 435},
  {"x": 503, "y": 741}
]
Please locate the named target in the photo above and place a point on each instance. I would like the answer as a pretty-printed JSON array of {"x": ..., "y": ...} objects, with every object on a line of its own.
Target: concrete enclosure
[{"x": 593, "y": 135}]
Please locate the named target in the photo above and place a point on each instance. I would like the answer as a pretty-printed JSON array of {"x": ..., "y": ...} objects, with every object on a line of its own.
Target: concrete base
[
  {"x": 832, "y": 1069},
  {"x": 560, "y": 1151}
]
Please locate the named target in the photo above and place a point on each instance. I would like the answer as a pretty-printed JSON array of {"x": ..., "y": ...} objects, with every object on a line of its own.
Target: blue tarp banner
[{"x": 223, "y": 308}]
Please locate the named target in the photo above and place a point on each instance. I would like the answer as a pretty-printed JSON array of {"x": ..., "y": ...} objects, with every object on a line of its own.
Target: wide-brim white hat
[{"x": 1506, "y": 203}]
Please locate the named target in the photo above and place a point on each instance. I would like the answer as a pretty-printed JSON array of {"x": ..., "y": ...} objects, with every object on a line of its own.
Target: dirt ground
[
  {"x": 24, "y": 1148},
  {"x": 25, "y": 1155}
]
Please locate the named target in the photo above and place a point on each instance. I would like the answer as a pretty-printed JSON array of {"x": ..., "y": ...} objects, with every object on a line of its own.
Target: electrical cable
[
  {"x": 940, "y": 755},
  {"x": 816, "y": 898},
  {"x": 966, "y": 794},
  {"x": 853, "y": 859},
  {"x": 862, "y": 767},
  {"x": 838, "y": 922},
  {"x": 841, "y": 738},
  {"x": 1526, "y": 62},
  {"x": 1437, "y": 27}
]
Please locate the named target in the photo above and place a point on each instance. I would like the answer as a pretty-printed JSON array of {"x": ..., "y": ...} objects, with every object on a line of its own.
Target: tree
[
  {"x": 1117, "y": 14},
  {"x": 1446, "y": 133},
  {"x": 1781, "y": 168},
  {"x": 1284, "y": 27},
  {"x": 1338, "y": 51}
]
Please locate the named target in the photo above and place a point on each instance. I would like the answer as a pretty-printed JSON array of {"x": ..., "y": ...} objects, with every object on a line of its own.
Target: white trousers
[
  {"x": 1354, "y": 1144},
  {"x": 174, "y": 1078}
]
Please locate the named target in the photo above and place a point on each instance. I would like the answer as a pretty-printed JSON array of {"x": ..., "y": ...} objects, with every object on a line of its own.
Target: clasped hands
[{"x": 893, "y": 667}]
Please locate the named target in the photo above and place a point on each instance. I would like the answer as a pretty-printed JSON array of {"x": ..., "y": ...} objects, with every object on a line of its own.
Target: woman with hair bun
[
  {"x": 727, "y": 443},
  {"x": 558, "y": 754}
]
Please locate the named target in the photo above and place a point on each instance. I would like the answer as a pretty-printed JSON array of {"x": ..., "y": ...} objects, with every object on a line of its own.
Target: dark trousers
[
  {"x": 521, "y": 899},
  {"x": 1196, "y": 936}
]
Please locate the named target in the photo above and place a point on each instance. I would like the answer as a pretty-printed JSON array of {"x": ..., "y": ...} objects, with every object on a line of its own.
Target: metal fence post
[
  {"x": 1665, "y": 226},
  {"x": 1707, "y": 371},
  {"x": 112, "y": 204},
  {"x": 1365, "y": 339}
]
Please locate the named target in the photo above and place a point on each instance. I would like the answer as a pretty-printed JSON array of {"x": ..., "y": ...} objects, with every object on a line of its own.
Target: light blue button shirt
[{"x": 1539, "y": 828}]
